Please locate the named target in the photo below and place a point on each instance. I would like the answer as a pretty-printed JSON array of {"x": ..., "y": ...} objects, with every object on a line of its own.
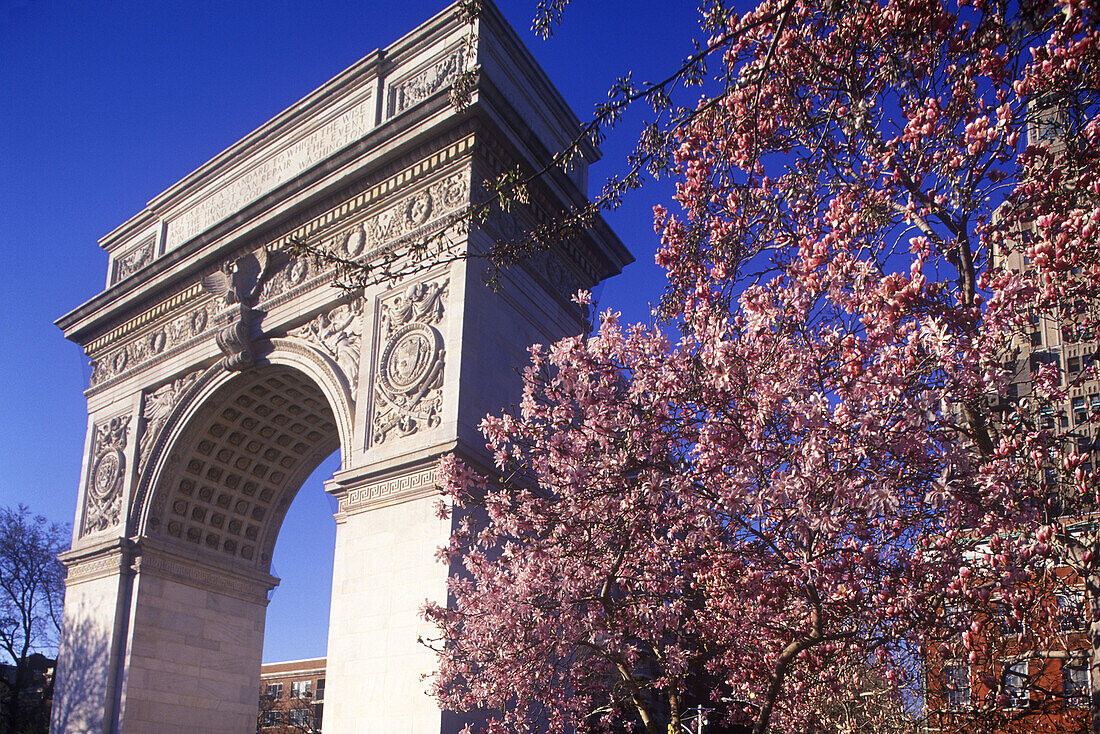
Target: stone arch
[
  {"x": 190, "y": 467},
  {"x": 233, "y": 453}
]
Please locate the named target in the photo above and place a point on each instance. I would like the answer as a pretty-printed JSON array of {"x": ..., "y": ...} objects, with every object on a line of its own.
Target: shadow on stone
[{"x": 80, "y": 680}]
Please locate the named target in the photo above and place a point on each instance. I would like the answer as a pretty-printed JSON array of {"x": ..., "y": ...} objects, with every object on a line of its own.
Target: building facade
[
  {"x": 1029, "y": 672},
  {"x": 292, "y": 697}
]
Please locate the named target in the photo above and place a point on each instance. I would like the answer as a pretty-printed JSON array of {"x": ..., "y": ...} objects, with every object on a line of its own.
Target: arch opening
[
  {"x": 238, "y": 463},
  {"x": 299, "y": 609},
  {"x": 239, "y": 448}
]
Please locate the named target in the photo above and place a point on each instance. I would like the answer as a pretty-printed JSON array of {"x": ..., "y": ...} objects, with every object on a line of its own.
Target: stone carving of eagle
[{"x": 239, "y": 280}]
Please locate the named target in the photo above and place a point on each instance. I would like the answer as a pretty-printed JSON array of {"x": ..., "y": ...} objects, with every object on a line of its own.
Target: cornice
[
  {"x": 366, "y": 72},
  {"x": 82, "y": 324},
  {"x": 149, "y": 287}
]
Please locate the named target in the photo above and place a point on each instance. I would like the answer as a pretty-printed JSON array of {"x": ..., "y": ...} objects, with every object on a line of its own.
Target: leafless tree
[{"x": 31, "y": 592}]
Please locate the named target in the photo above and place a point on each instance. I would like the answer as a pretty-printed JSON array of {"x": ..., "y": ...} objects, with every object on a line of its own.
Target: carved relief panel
[
  {"x": 426, "y": 82},
  {"x": 408, "y": 390},
  {"x": 338, "y": 333},
  {"x": 157, "y": 405},
  {"x": 135, "y": 259},
  {"x": 106, "y": 475}
]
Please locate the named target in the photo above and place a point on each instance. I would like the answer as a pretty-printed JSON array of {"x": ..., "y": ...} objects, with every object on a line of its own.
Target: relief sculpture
[
  {"x": 408, "y": 391},
  {"x": 157, "y": 406},
  {"x": 238, "y": 283},
  {"x": 245, "y": 283},
  {"x": 134, "y": 260},
  {"x": 429, "y": 81},
  {"x": 338, "y": 333},
  {"x": 103, "y": 497}
]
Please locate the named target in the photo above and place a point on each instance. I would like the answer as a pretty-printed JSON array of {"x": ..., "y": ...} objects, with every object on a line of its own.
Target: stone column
[{"x": 96, "y": 595}]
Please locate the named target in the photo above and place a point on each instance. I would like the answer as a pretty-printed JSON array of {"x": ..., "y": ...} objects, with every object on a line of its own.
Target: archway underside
[{"x": 239, "y": 469}]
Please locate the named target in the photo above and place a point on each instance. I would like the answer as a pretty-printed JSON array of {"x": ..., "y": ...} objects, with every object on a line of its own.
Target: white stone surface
[
  {"x": 190, "y": 647},
  {"x": 384, "y": 572},
  {"x": 87, "y": 657}
]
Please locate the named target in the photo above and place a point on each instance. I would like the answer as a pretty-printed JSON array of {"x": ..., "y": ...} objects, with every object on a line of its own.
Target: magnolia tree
[{"x": 770, "y": 501}]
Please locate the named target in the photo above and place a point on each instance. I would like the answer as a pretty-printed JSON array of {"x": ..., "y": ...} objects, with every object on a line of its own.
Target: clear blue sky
[{"x": 104, "y": 105}]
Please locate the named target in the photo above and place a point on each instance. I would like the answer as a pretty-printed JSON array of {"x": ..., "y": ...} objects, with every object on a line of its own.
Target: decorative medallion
[
  {"x": 157, "y": 342},
  {"x": 410, "y": 360},
  {"x": 408, "y": 391},
  {"x": 419, "y": 208},
  {"x": 296, "y": 271},
  {"x": 198, "y": 322},
  {"x": 103, "y": 496},
  {"x": 354, "y": 242}
]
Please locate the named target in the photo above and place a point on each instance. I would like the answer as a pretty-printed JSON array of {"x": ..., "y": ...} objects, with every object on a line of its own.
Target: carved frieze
[
  {"x": 293, "y": 273},
  {"x": 413, "y": 214},
  {"x": 103, "y": 497},
  {"x": 364, "y": 240},
  {"x": 134, "y": 260},
  {"x": 157, "y": 405},
  {"x": 409, "y": 376},
  {"x": 338, "y": 333},
  {"x": 424, "y": 84},
  {"x": 131, "y": 354},
  {"x": 414, "y": 211},
  {"x": 558, "y": 276}
]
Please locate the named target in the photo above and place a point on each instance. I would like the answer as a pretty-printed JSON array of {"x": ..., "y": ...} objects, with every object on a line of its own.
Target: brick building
[
  {"x": 1030, "y": 673},
  {"x": 292, "y": 697}
]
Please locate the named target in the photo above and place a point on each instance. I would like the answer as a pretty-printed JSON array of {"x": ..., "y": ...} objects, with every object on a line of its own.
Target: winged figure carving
[
  {"x": 239, "y": 280},
  {"x": 238, "y": 283}
]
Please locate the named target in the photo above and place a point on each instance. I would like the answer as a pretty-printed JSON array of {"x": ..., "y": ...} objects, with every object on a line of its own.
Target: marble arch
[{"x": 224, "y": 368}]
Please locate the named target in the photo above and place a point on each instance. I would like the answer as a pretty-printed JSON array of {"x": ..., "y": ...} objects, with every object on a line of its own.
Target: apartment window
[
  {"x": 1016, "y": 685},
  {"x": 269, "y": 718},
  {"x": 299, "y": 717},
  {"x": 1075, "y": 684},
  {"x": 1073, "y": 365},
  {"x": 320, "y": 690},
  {"x": 1034, "y": 332},
  {"x": 1010, "y": 624},
  {"x": 301, "y": 689},
  {"x": 274, "y": 690},
  {"x": 956, "y": 679},
  {"x": 1080, "y": 415},
  {"x": 1071, "y": 610},
  {"x": 1042, "y": 359}
]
